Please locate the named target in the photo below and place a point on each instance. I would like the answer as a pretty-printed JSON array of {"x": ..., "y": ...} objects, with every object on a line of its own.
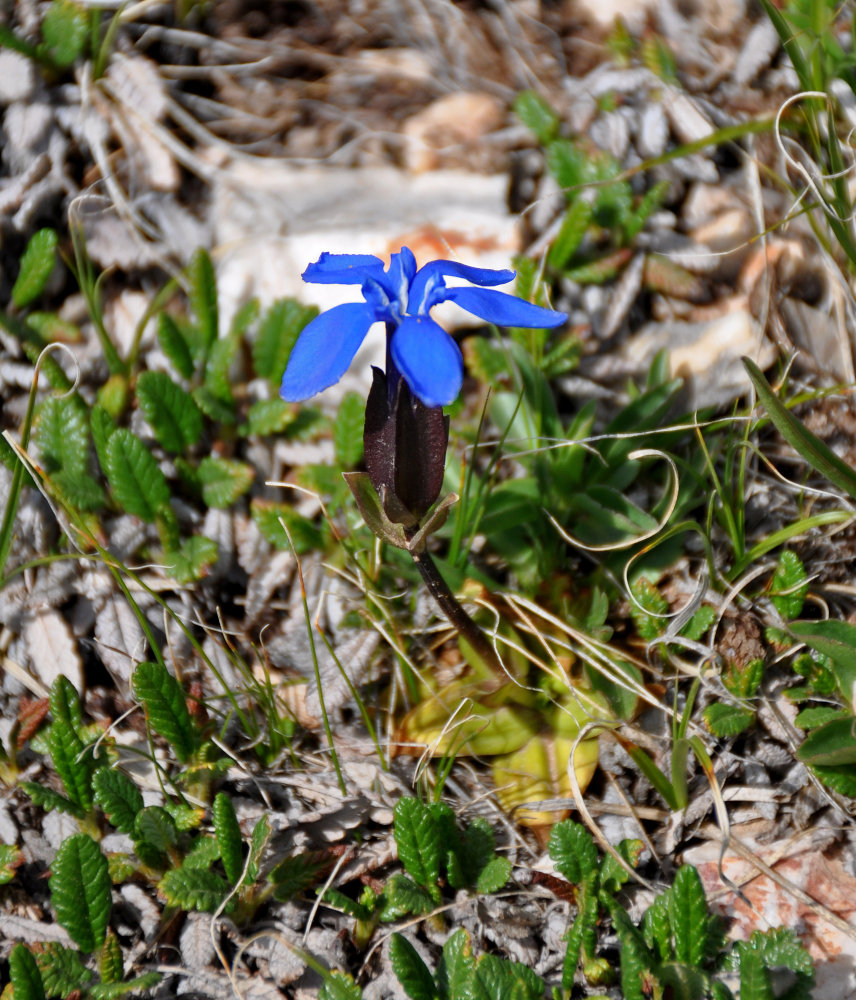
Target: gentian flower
[{"x": 418, "y": 348}]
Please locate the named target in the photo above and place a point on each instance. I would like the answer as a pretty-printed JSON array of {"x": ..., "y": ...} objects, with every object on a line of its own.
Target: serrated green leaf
[
  {"x": 298, "y": 872},
  {"x": 258, "y": 841},
  {"x": 195, "y": 889},
  {"x": 191, "y": 560},
  {"x": 213, "y": 406},
  {"x": 170, "y": 410},
  {"x": 724, "y": 720},
  {"x": 204, "y": 851},
  {"x": 780, "y": 947},
  {"x": 688, "y": 916},
  {"x": 136, "y": 987},
  {"x": 269, "y": 416},
  {"x": 576, "y": 222},
  {"x": 635, "y": 960},
  {"x": 494, "y": 875},
  {"x": 573, "y": 852},
  {"x": 339, "y": 901},
  {"x": 218, "y": 366},
  {"x": 118, "y": 796},
  {"x": 537, "y": 115},
  {"x": 10, "y": 859},
  {"x": 496, "y": 977},
  {"x": 80, "y": 891},
  {"x": 154, "y": 826},
  {"x": 837, "y": 640},
  {"x": 166, "y": 708},
  {"x": 411, "y": 971},
  {"x": 224, "y": 480},
  {"x": 102, "y": 426},
  {"x": 37, "y": 264},
  {"x": 277, "y": 334},
  {"x": 47, "y": 799},
  {"x": 72, "y": 763},
  {"x": 472, "y": 851},
  {"x": 754, "y": 981},
  {"x": 175, "y": 346},
  {"x": 24, "y": 975},
  {"x": 186, "y": 816},
  {"x": 62, "y": 970},
  {"x": 348, "y": 430},
  {"x": 111, "y": 967},
  {"x": 228, "y": 834},
  {"x": 811, "y": 718},
  {"x": 339, "y": 986},
  {"x": 270, "y": 516},
  {"x": 64, "y": 32},
  {"x": 456, "y": 966},
  {"x": 62, "y": 434},
  {"x": 78, "y": 490},
  {"x": 135, "y": 476},
  {"x": 841, "y": 778},
  {"x": 402, "y": 896},
  {"x": 830, "y": 745},
  {"x": 203, "y": 296},
  {"x": 64, "y": 702},
  {"x": 417, "y": 835},
  {"x": 789, "y": 585}
]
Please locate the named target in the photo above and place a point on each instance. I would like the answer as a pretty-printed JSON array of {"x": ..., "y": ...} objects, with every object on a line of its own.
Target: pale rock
[
  {"x": 17, "y": 77},
  {"x": 705, "y": 354},
  {"x": 27, "y": 126},
  {"x": 604, "y": 12},
  {"x": 123, "y": 314},
  {"x": 461, "y": 119}
]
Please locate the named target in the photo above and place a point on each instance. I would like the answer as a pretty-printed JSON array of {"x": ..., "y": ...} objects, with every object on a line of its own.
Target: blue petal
[
  {"x": 429, "y": 279},
  {"x": 324, "y": 350},
  {"x": 503, "y": 309},
  {"x": 344, "y": 269},
  {"x": 429, "y": 360}
]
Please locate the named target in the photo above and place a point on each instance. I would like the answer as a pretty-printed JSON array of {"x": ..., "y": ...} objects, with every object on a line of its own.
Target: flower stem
[{"x": 452, "y": 609}]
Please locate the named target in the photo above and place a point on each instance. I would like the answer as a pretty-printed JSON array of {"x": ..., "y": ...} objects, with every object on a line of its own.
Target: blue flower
[{"x": 400, "y": 296}]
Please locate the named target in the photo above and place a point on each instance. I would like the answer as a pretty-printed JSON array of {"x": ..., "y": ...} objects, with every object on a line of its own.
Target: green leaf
[
  {"x": 417, "y": 835},
  {"x": 612, "y": 874},
  {"x": 789, "y": 586},
  {"x": 754, "y": 981},
  {"x": 80, "y": 891},
  {"x": 11, "y": 858},
  {"x": 411, "y": 971},
  {"x": 339, "y": 986},
  {"x": 203, "y": 852},
  {"x": 213, "y": 406},
  {"x": 73, "y": 765},
  {"x": 298, "y": 872},
  {"x": 170, "y": 410},
  {"x": 166, "y": 708},
  {"x": 64, "y": 32},
  {"x": 62, "y": 434},
  {"x": 258, "y": 842},
  {"x": 723, "y": 719},
  {"x": 102, "y": 426},
  {"x": 195, "y": 889},
  {"x": 496, "y": 977},
  {"x": 175, "y": 346},
  {"x": 224, "y": 480},
  {"x": 203, "y": 296},
  {"x": 800, "y": 438},
  {"x": 111, "y": 967},
  {"x": 154, "y": 826},
  {"x": 218, "y": 367},
  {"x": 78, "y": 490},
  {"x": 47, "y": 799},
  {"x": 635, "y": 960},
  {"x": 831, "y": 745},
  {"x": 24, "y": 975},
  {"x": 537, "y": 115},
  {"x": 136, "y": 987},
  {"x": 269, "y": 416},
  {"x": 228, "y": 835},
  {"x": 135, "y": 476},
  {"x": 118, "y": 796},
  {"x": 62, "y": 970},
  {"x": 278, "y": 331},
  {"x": 270, "y": 517},
  {"x": 573, "y": 852},
  {"x": 191, "y": 560},
  {"x": 37, "y": 264},
  {"x": 494, "y": 875},
  {"x": 469, "y": 856},
  {"x": 841, "y": 779},
  {"x": 348, "y": 430},
  {"x": 811, "y": 718},
  {"x": 837, "y": 640},
  {"x": 688, "y": 916},
  {"x": 402, "y": 896},
  {"x": 576, "y": 222},
  {"x": 456, "y": 966}
]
